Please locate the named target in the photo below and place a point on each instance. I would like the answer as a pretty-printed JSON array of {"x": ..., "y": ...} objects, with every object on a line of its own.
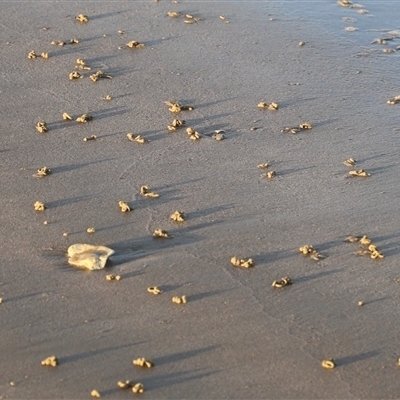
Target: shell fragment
[{"x": 89, "y": 256}]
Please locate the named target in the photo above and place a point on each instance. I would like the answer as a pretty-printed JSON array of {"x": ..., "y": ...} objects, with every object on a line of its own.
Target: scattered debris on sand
[
  {"x": 360, "y": 173},
  {"x": 42, "y": 172},
  {"x": 154, "y": 290},
  {"x": 145, "y": 191},
  {"x": 178, "y": 216},
  {"x": 175, "y": 107},
  {"x": 75, "y": 75},
  {"x": 282, "y": 283},
  {"x": 350, "y": 162},
  {"x": 124, "y": 207},
  {"x": 82, "y": 18},
  {"x": 39, "y": 206},
  {"x": 51, "y": 361},
  {"x": 111, "y": 277},
  {"x": 293, "y": 130},
  {"x": 269, "y": 106},
  {"x": 86, "y": 139},
  {"x": 328, "y": 364},
  {"x": 84, "y": 118},
  {"x": 66, "y": 117},
  {"x": 133, "y": 44},
  {"x": 41, "y": 127},
  {"x": 174, "y": 14},
  {"x": 136, "y": 138},
  {"x": 99, "y": 75},
  {"x": 179, "y": 300},
  {"x": 240, "y": 262},
  {"x": 394, "y": 100},
  {"x": 95, "y": 393},
  {"x": 309, "y": 251},
  {"x": 176, "y": 123},
  {"x": 368, "y": 248},
  {"x": 138, "y": 388},
  {"x": 161, "y": 234},
  {"x": 193, "y": 135},
  {"x": 142, "y": 362}
]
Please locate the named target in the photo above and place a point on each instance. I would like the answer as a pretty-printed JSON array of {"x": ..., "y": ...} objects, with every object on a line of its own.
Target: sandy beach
[{"x": 237, "y": 336}]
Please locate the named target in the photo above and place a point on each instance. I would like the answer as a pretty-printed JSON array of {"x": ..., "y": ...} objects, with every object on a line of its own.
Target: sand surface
[{"x": 237, "y": 337}]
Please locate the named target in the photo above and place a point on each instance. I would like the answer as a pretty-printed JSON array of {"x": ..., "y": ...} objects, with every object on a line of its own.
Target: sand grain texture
[{"x": 237, "y": 337}]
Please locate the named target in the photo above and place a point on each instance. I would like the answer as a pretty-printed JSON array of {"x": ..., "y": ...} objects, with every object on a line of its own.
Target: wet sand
[{"x": 237, "y": 337}]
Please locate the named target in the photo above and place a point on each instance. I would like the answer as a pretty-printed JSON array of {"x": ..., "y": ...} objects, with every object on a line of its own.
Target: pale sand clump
[
  {"x": 145, "y": 192},
  {"x": 162, "y": 234},
  {"x": 328, "y": 364},
  {"x": 89, "y": 256},
  {"x": 240, "y": 262},
  {"x": 124, "y": 207},
  {"x": 178, "y": 216},
  {"x": 282, "y": 283},
  {"x": 142, "y": 362},
  {"x": 269, "y": 106},
  {"x": 154, "y": 290},
  {"x": 369, "y": 249},
  {"x": 51, "y": 361},
  {"x": 179, "y": 300},
  {"x": 309, "y": 251}
]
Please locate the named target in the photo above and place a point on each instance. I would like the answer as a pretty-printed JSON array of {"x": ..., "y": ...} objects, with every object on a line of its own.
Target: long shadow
[
  {"x": 378, "y": 170},
  {"x": 117, "y": 72},
  {"x": 184, "y": 232},
  {"x": 323, "y": 123},
  {"x": 204, "y": 295},
  {"x": 160, "y": 188},
  {"x": 71, "y": 200},
  {"x": 208, "y": 211},
  {"x": 318, "y": 275},
  {"x": 132, "y": 274},
  {"x": 99, "y": 60},
  {"x": 329, "y": 245},
  {"x": 108, "y": 112},
  {"x": 176, "y": 357},
  {"x": 171, "y": 288},
  {"x": 389, "y": 249},
  {"x": 21, "y": 297},
  {"x": 71, "y": 49},
  {"x": 355, "y": 358},
  {"x": 72, "y": 167},
  {"x": 176, "y": 378},
  {"x": 120, "y": 258},
  {"x": 92, "y": 353},
  {"x": 377, "y": 300},
  {"x": 93, "y": 17},
  {"x": 277, "y": 255},
  {"x": 156, "y": 42},
  {"x": 359, "y": 161}
]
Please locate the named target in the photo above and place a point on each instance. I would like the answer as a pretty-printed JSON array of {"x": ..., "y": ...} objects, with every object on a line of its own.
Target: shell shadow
[
  {"x": 318, "y": 275},
  {"x": 355, "y": 358},
  {"x": 93, "y": 353},
  {"x": 176, "y": 357}
]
